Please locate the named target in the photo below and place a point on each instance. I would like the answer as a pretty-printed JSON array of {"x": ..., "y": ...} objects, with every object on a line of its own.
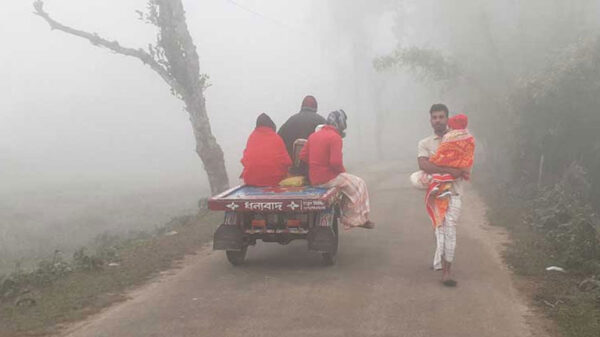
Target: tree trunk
[
  {"x": 380, "y": 115},
  {"x": 184, "y": 66},
  {"x": 176, "y": 61},
  {"x": 379, "y": 136},
  {"x": 540, "y": 172},
  {"x": 206, "y": 145}
]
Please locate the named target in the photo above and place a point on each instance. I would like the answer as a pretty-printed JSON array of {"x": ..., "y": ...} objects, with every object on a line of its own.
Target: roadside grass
[
  {"x": 558, "y": 295},
  {"x": 36, "y": 305}
]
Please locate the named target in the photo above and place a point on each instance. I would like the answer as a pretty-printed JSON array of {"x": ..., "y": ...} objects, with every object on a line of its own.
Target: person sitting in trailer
[
  {"x": 323, "y": 153},
  {"x": 266, "y": 160},
  {"x": 300, "y": 126}
]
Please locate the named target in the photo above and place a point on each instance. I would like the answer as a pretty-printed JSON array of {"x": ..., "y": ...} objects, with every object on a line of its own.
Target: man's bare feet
[
  {"x": 450, "y": 283},
  {"x": 446, "y": 277},
  {"x": 369, "y": 225},
  {"x": 447, "y": 280}
]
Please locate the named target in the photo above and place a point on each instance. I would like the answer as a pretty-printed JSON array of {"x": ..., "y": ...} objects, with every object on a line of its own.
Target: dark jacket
[{"x": 300, "y": 125}]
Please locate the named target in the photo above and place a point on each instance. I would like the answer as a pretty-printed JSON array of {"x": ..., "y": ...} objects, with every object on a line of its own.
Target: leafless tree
[{"x": 175, "y": 59}]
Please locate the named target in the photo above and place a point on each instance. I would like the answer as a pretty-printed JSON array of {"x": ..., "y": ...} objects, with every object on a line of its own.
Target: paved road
[{"x": 382, "y": 285}]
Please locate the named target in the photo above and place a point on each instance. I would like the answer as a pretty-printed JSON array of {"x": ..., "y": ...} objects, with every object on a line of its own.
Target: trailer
[{"x": 277, "y": 214}]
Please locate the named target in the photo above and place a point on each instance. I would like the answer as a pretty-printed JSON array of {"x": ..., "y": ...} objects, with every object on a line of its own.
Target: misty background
[{"x": 94, "y": 142}]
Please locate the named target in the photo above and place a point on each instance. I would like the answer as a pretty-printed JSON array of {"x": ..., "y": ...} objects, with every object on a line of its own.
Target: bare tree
[{"x": 175, "y": 60}]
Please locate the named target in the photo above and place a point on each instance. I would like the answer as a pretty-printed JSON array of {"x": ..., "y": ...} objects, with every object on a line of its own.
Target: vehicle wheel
[
  {"x": 237, "y": 257},
  {"x": 329, "y": 258}
]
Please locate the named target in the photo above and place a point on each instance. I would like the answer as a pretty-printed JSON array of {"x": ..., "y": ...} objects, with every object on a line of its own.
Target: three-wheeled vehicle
[{"x": 277, "y": 214}]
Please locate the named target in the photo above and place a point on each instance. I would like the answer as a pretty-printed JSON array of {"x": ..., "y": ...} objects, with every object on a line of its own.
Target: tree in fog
[
  {"x": 175, "y": 59},
  {"x": 480, "y": 52},
  {"x": 352, "y": 21}
]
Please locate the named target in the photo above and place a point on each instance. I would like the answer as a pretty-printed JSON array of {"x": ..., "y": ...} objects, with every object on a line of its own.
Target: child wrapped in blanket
[{"x": 457, "y": 150}]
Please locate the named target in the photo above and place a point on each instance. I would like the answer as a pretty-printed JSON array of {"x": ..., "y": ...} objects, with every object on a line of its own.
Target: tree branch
[{"x": 96, "y": 40}]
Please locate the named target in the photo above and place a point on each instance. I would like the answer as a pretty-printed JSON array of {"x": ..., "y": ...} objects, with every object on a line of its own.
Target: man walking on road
[{"x": 445, "y": 234}]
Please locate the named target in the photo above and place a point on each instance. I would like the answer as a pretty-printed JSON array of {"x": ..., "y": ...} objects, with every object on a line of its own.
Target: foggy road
[
  {"x": 382, "y": 284},
  {"x": 114, "y": 124}
]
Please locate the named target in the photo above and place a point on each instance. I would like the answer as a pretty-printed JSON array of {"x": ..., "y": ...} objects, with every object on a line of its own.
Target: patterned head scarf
[{"x": 338, "y": 119}]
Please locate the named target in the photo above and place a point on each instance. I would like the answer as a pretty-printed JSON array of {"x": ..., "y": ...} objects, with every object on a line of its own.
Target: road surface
[{"x": 382, "y": 284}]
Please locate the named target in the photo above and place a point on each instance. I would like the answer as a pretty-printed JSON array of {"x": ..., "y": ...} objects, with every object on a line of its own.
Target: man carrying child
[{"x": 445, "y": 159}]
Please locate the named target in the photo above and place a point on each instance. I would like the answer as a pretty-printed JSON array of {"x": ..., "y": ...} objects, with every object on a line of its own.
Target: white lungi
[{"x": 445, "y": 235}]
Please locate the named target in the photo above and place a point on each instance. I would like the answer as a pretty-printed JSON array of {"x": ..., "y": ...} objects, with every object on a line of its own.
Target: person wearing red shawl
[
  {"x": 323, "y": 153},
  {"x": 265, "y": 160}
]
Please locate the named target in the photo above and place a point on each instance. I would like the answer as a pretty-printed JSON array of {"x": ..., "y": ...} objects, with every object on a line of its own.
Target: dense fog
[{"x": 93, "y": 141}]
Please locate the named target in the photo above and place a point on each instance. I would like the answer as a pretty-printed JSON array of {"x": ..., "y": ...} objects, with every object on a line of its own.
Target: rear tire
[
  {"x": 237, "y": 257},
  {"x": 330, "y": 258}
]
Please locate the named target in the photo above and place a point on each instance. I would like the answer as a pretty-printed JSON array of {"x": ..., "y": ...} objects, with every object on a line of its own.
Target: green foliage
[
  {"x": 85, "y": 262},
  {"x": 106, "y": 248},
  {"x": 46, "y": 272},
  {"x": 427, "y": 64},
  {"x": 75, "y": 290},
  {"x": 555, "y": 228},
  {"x": 569, "y": 227},
  {"x": 557, "y": 114},
  {"x": 581, "y": 318},
  {"x": 51, "y": 270}
]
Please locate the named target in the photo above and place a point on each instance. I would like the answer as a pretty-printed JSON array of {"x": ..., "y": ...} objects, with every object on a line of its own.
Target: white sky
[{"x": 69, "y": 110}]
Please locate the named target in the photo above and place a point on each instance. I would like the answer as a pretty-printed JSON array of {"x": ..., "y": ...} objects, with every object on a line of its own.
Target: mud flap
[
  {"x": 322, "y": 239},
  {"x": 228, "y": 237}
]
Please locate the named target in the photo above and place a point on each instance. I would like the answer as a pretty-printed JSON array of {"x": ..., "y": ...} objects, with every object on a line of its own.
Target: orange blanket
[
  {"x": 457, "y": 150},
  {"x": 437, "y": 198}
]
